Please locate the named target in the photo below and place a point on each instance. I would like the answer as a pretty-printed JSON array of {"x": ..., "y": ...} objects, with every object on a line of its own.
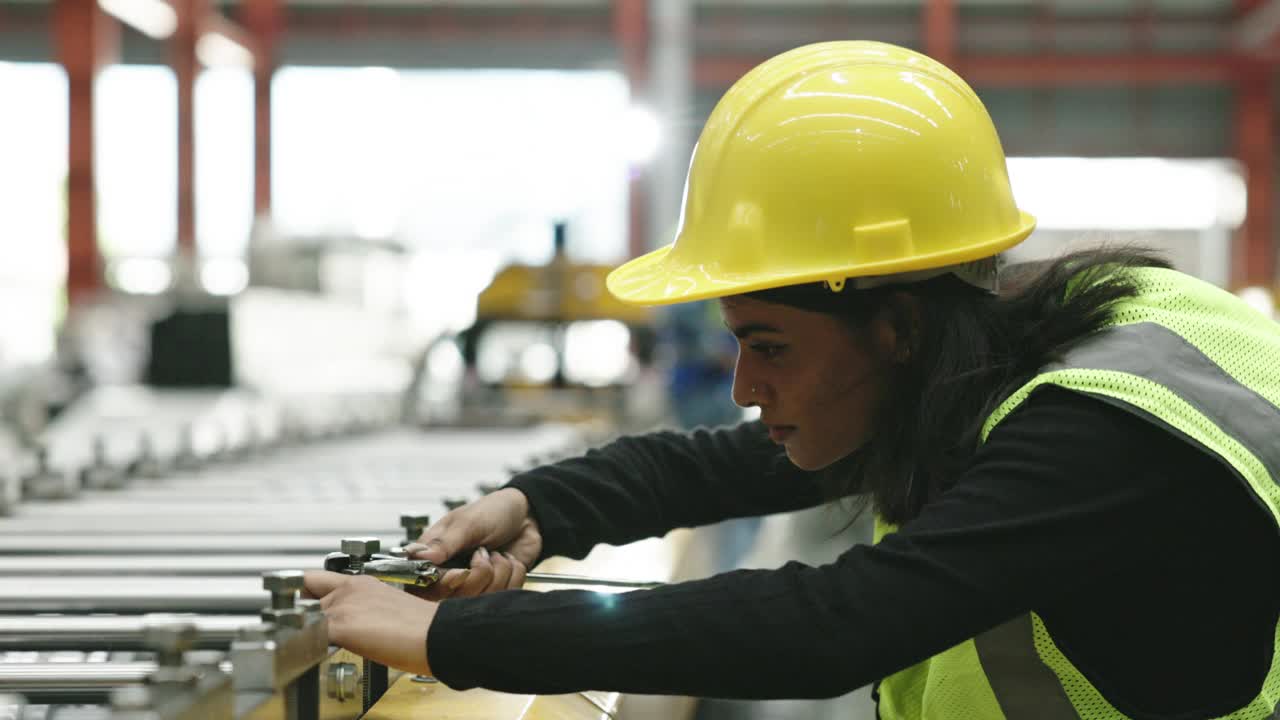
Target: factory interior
[{"x": 283, "y": 282}]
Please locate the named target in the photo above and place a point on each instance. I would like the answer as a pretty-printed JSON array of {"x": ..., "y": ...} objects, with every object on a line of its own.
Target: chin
[{"x": 807, "y": 461}]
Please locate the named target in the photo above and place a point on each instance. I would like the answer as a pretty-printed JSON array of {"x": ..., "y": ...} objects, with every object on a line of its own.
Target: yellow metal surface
[
  {"x": 558, "y": 291},
  {"x": 408, "y": 699}
]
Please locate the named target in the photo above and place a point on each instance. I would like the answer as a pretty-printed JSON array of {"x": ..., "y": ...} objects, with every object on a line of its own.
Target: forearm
[{"x": 644, "y": 486}]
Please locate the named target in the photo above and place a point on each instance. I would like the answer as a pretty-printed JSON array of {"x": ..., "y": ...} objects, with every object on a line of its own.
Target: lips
[{"x": 779, "y": 433}]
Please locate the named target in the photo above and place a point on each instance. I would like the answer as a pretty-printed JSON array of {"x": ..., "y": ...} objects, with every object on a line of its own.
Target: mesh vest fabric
[{"x": 1189, "y": 357}]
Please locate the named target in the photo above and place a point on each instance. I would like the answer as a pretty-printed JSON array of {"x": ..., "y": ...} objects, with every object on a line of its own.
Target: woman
[{"x": 1074, "y": 477}]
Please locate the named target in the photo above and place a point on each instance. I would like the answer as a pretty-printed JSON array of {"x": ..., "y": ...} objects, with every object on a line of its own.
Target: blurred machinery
[
  {"x": 152, "y": 545},
  {"x": 551, "y": 341}
]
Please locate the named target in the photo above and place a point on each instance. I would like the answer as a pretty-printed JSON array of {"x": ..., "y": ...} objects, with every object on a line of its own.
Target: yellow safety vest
[{"x": 1191, "y": 358}]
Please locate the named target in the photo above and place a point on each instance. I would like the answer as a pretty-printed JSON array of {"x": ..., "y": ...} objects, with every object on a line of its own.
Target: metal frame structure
[{"x": 86, "y": 39}]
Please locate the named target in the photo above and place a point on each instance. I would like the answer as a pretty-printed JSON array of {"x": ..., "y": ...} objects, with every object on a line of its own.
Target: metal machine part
[
  {"x": 174, "y": 690},
  {"x": 342, "y": 681},
  {"x": 102, "y": 475},
  {"x": 46, "y": 482},
  {"x": 110, "y": 632},
  {"x": 424, "y": 574},
  {"x": 178, "y": 541}
]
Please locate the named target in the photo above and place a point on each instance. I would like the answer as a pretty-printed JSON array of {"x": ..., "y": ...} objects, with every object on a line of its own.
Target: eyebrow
[{"x": 743, "y": 331}]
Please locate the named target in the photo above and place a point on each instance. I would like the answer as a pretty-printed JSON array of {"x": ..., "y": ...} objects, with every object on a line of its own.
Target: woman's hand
[
  {"x": 506, "y": 542},
  {"x": 374, "y": 620}
]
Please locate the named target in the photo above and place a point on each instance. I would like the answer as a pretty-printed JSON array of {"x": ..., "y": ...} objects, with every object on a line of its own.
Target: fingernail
[
  {"x": 484, "y": 552},
  {"x": 459, "y": 579}
]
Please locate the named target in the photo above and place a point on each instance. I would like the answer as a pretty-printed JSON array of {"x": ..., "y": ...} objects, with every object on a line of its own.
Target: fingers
[
  {"x": 320, "y": 583},
  {"x": 518, "y": 571},
  {"x": 448, "y": 586},
  {"x": 481, "y": 574}
]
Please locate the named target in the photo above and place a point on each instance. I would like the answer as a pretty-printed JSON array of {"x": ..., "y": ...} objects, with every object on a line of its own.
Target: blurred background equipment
[{"x": 237, "y": 225}]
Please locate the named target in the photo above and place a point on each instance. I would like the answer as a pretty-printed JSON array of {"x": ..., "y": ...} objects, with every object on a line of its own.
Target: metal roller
[
  {"x": 113, "y": 633},
  {"x": 179, "y": 543},
  {"x": 125, "y": 565},
  {"x": 212, "y": 595}
]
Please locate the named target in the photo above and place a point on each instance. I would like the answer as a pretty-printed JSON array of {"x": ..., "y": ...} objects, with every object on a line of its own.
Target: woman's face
[{"x": 815, "y": 379}]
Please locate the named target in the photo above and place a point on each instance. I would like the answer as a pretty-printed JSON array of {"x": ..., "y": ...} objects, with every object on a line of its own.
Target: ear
[{"x": 896, "y": 328}]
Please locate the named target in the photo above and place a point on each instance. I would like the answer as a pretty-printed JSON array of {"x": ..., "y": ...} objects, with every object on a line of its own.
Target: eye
[{"x": 771, "y": 351}]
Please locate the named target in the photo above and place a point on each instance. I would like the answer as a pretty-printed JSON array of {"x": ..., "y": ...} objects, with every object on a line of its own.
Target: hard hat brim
[{"x": 654, "y": 279}]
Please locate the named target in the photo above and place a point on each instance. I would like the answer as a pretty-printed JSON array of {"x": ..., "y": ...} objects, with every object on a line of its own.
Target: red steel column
[
  {"x": 186, "y": 67},
  {"x": 1253, "y": 256},
  {"x": 631, "y": 33},
  {"x": 939, "y": 17},
  {"x": 86, "y": 39},
  {"x": 264, "y": 20}
]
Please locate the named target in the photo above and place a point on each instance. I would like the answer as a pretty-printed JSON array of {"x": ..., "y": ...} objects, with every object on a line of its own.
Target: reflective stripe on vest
[
  {"x": 1172, "y": 356},
  {"x": 1234, "y": 408},
  {"x": 1025, "y": 687}
]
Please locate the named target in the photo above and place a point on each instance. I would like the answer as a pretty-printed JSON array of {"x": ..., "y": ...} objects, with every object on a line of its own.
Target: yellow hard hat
[{"x": 833, "y": 161}]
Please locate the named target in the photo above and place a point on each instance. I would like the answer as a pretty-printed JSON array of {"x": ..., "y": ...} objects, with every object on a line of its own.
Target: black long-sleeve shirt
[{"x": 1155, "y": 569}]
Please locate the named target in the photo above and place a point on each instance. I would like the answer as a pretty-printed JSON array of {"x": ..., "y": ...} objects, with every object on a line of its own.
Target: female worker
[{"x": 1074, "y": 475}]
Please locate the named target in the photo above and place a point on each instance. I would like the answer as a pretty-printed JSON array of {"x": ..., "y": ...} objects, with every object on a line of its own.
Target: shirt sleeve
[
  {"x": 1032, "y": 516},
  {"x": 646, "y": 485}
]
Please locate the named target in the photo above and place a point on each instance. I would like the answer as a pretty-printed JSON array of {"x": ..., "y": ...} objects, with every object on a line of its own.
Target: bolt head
[
  {"x": 285, "y": 617},
  {"x": 361, "y": 547},
  {"x": 454, "y": 503},
  {"x": 169, "y": 637},
  {"x": 310, "y": 607},
  {"x": 282, "y": 581}
]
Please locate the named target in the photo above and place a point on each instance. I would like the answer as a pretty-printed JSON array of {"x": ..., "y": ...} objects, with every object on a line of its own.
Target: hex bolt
[
  {"x": 454, "y": 503},
  {"x": 413, "y": 526},
  {"x": 488, "y": 488},
  {"x": 169, "y": 641},
  {"x": 311, "y": 609},
  {"x": 284, "y": 586},
  {"x": 284, "y": 617},
  {"x": 343, "y": 681},
  {"x": 361, "y": 551}
]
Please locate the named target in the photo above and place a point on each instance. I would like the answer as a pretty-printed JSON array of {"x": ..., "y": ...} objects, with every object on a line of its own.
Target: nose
[{"x": 744, "y": 386}]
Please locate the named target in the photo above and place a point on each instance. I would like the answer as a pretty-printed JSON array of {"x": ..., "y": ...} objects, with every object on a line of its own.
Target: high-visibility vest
[{"x": 1189, "y": 357}]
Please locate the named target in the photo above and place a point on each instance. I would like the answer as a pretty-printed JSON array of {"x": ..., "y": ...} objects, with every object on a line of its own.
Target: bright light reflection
[
  {"x": 444, "y": 363},
  {"x": 538, "y": 363},
  {"x": 1260, "y": 299},
  {"x": 224, "y": 276},
  {"x": 153, "y": 18},
  {"x": 643, "y": 133},
  {"x": 597, "y": 352},
  {"x": 217, "y": 50},
  {"x": 1066, "y": 193},
  {"x": 142, "y": 276}
]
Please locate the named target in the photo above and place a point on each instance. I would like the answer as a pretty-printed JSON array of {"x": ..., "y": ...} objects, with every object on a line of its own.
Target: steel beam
[
  {"x": 86, "y": 40},
  {"x": 264, "y": 22},
  {"x": 631, "y": 33},
  {"x": 939, "y": 19},
  {"x": 1037, "y": 70},
  {"x": 1253, "y": 256}
]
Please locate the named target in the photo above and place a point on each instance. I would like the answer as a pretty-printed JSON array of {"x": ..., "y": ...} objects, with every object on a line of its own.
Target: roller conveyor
[
  {"x": 111, "y": 632},
  {"x": 195, "y": 533},
  {"x": 85, "y": 566},
  {"x": 186, "y": 544}
]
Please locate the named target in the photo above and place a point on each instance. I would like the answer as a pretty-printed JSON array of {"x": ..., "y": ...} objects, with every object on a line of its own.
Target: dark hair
[{"x": 966, "y": 351}]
